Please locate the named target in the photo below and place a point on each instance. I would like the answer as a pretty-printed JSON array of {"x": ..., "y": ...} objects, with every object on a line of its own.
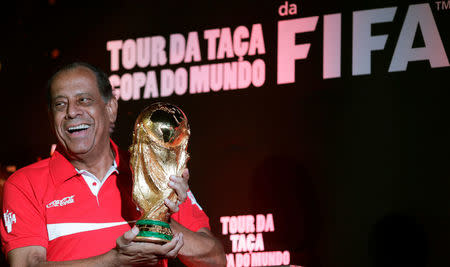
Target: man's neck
[{"x": 97, "y": 165}]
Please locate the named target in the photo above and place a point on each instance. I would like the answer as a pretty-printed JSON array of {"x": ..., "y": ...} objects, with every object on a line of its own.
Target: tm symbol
[{"x": 443, "y": 5}]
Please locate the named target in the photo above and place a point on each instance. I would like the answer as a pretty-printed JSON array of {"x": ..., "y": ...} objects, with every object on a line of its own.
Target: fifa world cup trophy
[{"x": 159, "y": 150}]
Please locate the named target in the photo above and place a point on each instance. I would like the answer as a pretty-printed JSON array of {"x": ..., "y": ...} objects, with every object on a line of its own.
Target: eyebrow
[
  {"x": 77, "y": 95},
  {"x": 58, "y": 96}
]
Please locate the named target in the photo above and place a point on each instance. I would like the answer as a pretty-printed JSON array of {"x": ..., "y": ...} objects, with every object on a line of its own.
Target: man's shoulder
[{"x": 32, "y": 173}]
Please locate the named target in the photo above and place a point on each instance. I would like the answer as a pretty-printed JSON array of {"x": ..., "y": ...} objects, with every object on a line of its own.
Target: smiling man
[
  {"x": 81, "y": 118},
  {"x": 76, "y": 208}
]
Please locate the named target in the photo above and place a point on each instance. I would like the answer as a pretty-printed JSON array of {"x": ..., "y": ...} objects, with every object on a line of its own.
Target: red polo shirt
[{"x": 49, "y": 204}]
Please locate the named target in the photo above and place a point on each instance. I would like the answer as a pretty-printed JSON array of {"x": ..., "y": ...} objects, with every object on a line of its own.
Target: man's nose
[{"x": 73, "y": 110}]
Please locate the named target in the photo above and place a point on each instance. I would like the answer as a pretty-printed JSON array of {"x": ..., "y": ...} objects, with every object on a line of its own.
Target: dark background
[{"x": 354, "y": 169}]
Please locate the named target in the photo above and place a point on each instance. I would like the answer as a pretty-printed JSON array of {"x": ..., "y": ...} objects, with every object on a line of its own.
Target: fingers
[
  {"x": 180, "y": 188},
  {"x": 173, "y": 247},
  {"x": 180, "y": 185},
  {"x": 173, "y": 207},
  {"x": 143, "y": 253},
  {"x": 185, "y": 174},
  {"x": 127, "y": 237}
]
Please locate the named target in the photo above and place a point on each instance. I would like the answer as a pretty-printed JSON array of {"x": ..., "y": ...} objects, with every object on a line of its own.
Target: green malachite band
[
  {"x": 153, "y": 234},
  {"x": 152, "y": 222}
]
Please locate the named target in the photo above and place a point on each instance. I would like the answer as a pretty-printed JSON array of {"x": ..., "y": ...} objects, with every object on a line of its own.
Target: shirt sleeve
[
  {"x": 23, "y": 223},
  {"x": 191, "y": 215}
]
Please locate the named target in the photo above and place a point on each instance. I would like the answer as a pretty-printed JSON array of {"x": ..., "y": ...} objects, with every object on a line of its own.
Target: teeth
[{"x": 79, "y": 127}]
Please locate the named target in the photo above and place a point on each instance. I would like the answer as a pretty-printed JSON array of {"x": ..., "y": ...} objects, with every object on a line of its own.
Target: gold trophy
[{"x": 159, "y": 150}]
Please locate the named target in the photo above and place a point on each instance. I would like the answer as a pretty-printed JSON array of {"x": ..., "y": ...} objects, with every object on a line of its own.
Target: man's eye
[
  {"x": 59, "y": 104},
  {"x": 85, "y": 100}
]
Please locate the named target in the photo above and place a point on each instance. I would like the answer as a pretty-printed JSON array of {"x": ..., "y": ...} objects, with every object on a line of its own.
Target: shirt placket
[{"x": 94, "y": 183}]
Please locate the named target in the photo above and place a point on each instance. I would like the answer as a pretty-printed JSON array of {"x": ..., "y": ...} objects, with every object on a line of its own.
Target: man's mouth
[{"x": 78, "y": 128}]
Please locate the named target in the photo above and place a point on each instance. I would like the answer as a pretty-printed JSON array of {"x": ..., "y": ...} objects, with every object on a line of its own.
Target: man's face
[{"x": 81, "y": 118}]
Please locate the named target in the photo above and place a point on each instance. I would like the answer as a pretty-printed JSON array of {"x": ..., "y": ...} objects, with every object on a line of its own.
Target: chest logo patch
[
  {"x": 61, "y": 202},
  {"x": 10, "y": 218}
]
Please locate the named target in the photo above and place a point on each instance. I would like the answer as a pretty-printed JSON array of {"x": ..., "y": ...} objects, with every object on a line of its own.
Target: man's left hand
[{"x": 181, "y": 187}]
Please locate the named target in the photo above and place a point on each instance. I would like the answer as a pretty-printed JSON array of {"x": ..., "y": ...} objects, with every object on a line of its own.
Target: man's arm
[
  {"x": 27, "y": 256},
  {"x": 200, "y": 248},
  {"x": 126, "y": 252},
  {"x": 34, "y": 256}
]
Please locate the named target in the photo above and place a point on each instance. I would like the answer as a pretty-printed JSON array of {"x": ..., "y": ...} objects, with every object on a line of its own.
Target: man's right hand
[
  {"x": 142, "y": 253},
  {"x": 126, "y": 253}
]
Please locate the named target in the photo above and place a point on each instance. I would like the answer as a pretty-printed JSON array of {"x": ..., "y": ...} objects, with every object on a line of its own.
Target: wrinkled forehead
[{"x": 78, "y": 78}]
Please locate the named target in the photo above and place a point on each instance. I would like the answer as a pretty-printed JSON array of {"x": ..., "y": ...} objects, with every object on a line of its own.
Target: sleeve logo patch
[{"x": 10, "y": 218}]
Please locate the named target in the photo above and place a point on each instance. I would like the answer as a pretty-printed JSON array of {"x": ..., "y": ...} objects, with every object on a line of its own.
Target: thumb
[
  {"x": 128, "y": 236},
  {"x": 185, "y": 174}
]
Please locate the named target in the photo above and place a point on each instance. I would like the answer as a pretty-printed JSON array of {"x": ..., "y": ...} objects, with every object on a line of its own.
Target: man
[{"x": 76, "y": 206}]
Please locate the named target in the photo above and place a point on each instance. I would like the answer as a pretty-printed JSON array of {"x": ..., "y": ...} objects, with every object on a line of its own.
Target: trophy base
[{"x": 153, "y": 232}]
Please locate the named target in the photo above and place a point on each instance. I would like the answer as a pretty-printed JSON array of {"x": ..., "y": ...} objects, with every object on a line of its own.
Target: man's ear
[
  {"x": 111, "y": 107},
  {"x": 50, "y": 120}
]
